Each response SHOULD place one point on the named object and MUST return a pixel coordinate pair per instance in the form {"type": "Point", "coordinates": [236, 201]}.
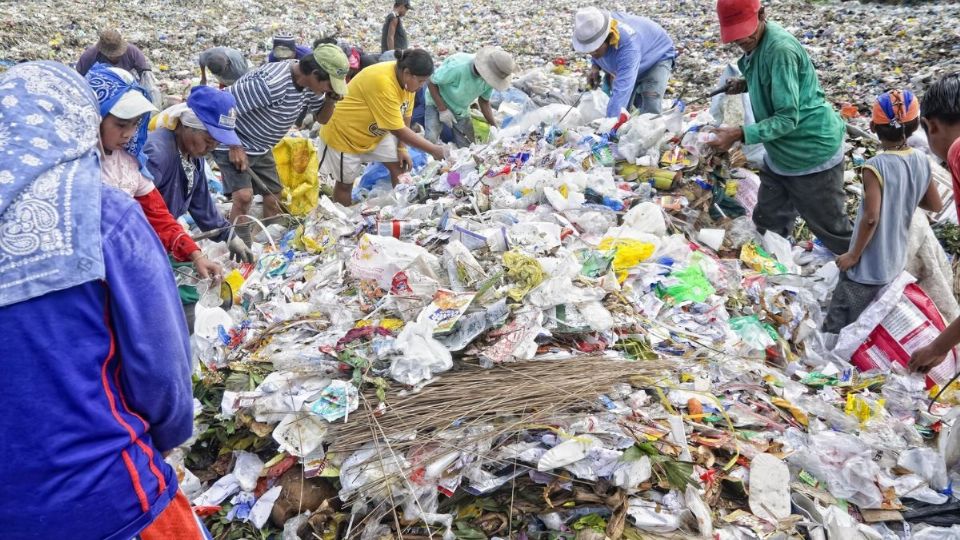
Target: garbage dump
{"type": "Point", "coordinates": [540, 336]}
{"type": "Point", "coordinates": [570, 330]}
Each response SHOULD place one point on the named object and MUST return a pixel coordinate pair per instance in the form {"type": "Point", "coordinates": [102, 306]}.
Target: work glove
{"type": "Point", "coordinates": [447, 118]}
{"type": "Point", "coordinates": [239, 251]}
{"type": "Point", "coordinates": [736, 86]}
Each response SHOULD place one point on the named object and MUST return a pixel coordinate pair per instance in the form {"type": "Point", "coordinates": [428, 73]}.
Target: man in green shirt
{"type": "Point", "coordinates": [457, 83]}
{"type": "Point", "coordinates": [800, 131]}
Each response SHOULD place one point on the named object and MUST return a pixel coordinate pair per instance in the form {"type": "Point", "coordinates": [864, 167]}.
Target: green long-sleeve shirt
{"type": "Point", "coordinates": [796, 125]}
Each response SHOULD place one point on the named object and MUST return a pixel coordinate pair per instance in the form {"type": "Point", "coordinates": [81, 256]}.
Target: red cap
{"type": "Point", "coordinates": [738, 18]}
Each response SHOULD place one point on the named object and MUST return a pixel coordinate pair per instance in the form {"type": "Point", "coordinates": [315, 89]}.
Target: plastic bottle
{"type": "Point", "coordinates": [398, 228]}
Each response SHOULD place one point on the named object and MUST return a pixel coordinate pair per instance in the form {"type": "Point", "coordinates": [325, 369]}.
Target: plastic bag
{"type": "Point", "coordinates": [748, 189]}
{"type": "Point", "coordinates": [780, 248]}
{"type": "Point", "coordinates": [297, 166]}
{"type": "Point", "coordinates": [741, 231]}
{"type": "Point", "coordinates": [381, 257]}
{"type": "Point", "coordinates": [752, 332]}
{"type": "Point", "coordinates": [898, 322]}
{"type": "Point", "coordinates": [842, 462]}
{"type": "Point", "coordinates": [593, 105]}
{"type": "Point", "coordinates": [247, 469]}
{"type": "Point", "coordinates": [420, 356]}
{"type": "Point", "coordinates": [628, 254]}
{"type": "Point", "coordinates": [639, 134]}
{"type": "Point", "coordinates": [646, 217]}
{"type": "Point", "coordinates": [927, 464]}
{"type": "Point", "coordinates": [336, 401]}
{"type": "Point", "coordinates": [736, 110]}
{"type": "Point", "coordinates": [759, 260]}
{"type": "Point", "coordinates": [689, 284]}
{"type": "Point", "coordinates": [149, 83]}
{"type": "Point", "coordinates": [549, 115]}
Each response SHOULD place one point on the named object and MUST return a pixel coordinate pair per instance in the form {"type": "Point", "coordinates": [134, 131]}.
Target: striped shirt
{"type": "Point", "coordinates": [268, 105]}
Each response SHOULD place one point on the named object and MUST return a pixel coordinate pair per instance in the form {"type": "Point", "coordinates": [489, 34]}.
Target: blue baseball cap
{"type": "Point", "coordinates": [217, 111]}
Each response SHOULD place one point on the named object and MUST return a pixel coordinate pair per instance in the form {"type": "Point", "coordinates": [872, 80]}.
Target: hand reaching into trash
{"type": "Point", "coordinates": [593, 78]}
{"type": "Point", "coordinates": [926, 358]}
{"type": "Point", "coordinates": [406, 164]}
{"type": "Point", "coordinates": [847, 261]}
{"type": "Point", "coordinates": [239, 251]}
{"type": "Point", "coordinates": [725, 137]}
{"type": "Point", "coordinates": [439, 152]}
{"type": "Point", "coordinates": [238, 157]}
{"type": "Point", "coordinates": [735, 86]}
{"type": "Point", "coordinates": [447, 118]}
{"type": "Point", "coordinates": [206, 268]}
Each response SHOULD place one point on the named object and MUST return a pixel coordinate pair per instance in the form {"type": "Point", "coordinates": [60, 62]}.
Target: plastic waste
{"type": "Point", "coordinates": [646, 217]}
{"type": "Point", "coordinates": [418, 356]}
{"type": "Point", "coordinates": [638, 135]}
{"type": "Point", "coordinates": [689, 284]}
{"type": "Point", "coordinates": [247, 469]}
{"type": "Point", "coordinates": [593, 106]}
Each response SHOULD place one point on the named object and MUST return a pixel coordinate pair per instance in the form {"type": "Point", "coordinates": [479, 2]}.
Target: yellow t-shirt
{"type": "Point", "coordinates": [375, 104]}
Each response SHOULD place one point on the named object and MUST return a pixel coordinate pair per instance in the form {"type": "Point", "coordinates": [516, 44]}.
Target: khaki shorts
{"type": "Point", "coordinates": [343, 168]}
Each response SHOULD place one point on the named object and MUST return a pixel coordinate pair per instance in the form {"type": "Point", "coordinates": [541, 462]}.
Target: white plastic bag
{"type": "Point", "coordinates": [247, 469]}
{"type": "Point", "coordinates": [736, 110]}
{"type": "Point", "coordinates": [640, 134]}
{"type": "Point", "coordinates": [420, 357]}
{"type": "Point", "coordinates": [381, 257]}
{"type": "Point", "coordinates": [646, 217]}
{"type": "Point", "coordinates": [593, 106]}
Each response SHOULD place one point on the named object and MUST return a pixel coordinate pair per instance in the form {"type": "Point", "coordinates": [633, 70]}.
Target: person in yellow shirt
{"type": "Point", "coordinates": [372, 123]}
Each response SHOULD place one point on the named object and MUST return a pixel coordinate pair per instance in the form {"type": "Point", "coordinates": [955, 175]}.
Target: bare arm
{"type": "Point", "coordinates": [203, 75]}
{"type": "Point", "coordinates": [392, 33]}
{"type": "Point", "coordinates": [408, 137]}
{"type": "Point", "coordinates": [931, 201]}
{"type": "Point", "coordinates": [435, 94]}
{"type": "Point", "coordinates": [872, 198]}
{"type": "Point", "coordinates": [930, 356]}
{"type": "Point", "coordinates": [487, 112]}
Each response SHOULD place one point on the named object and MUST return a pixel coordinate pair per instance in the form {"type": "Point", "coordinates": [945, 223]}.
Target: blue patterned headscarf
{"type": "Point", "coordinates": [49, 182]}
{"type": "Point", "coordinates": [109, 88]}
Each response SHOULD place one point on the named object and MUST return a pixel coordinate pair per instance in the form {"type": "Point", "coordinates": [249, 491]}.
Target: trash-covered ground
{"type": "Point", "coordinates": [570, 331]}
{"type": "Point", "coordinates": [860, 49]}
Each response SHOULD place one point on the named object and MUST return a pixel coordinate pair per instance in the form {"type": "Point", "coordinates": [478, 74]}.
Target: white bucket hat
{"type": "Point", "coordinates": [590, 29]}
{"type": "Point", "coordinates": [495, 66]}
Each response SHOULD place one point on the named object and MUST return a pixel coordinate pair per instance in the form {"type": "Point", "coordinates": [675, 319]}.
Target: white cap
{"type": "Point", "coordinates": [131, 104]}
{"type": "Point", "coordinates": [590, 29]}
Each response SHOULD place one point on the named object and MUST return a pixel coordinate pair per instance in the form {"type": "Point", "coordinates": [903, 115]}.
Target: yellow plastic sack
{"type": "Point", "coordinates": [759, 260]}
{"type": "Point", "coordinates": [629, 253]}
{"type": "Point", "coordinates": [297, 165]}
{"type": "Point", "coordinates": [524, 271]}
{"type": "Point", "coordinates": [861, 409]}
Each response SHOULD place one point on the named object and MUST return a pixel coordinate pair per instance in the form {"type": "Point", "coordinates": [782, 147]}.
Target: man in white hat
{"type": "Point", "coordinates": [634, 51]}
{"type": "Point", "coordinates": [461, 80]}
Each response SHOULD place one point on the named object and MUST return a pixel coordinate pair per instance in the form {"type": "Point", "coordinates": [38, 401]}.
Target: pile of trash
{"type": "Point", "coordinates": [859, 49]}
{"type": "Point", "coordinates": [572, 330]}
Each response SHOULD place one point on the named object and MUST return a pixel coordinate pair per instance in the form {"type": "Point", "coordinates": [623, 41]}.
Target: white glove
{"type": "Point", "coordinates": [447, 118]}
{"type": "Point", "coordinates": [239, 251]}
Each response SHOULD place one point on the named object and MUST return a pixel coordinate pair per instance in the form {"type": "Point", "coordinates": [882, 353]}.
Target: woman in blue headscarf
{"type": "Point", "coordinates": [125, 109]}
{"type": "Point", "coordinates": [96, 401]}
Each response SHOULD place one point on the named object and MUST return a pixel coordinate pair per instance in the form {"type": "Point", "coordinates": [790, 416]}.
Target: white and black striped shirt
{"type": "Point", "coordinates": [268, 105]}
